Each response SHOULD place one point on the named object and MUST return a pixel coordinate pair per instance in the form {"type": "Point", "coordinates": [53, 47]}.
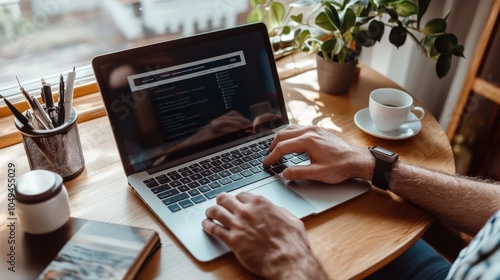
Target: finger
{"type": "Point", "coordinates": [283, 148]}
{"type": "Point", "coordinates": [215, 230]}
{"type": "Point", "coordinates": [288, 133]}
{"type": "Point", "coordinates": [245, 197]}
{"type": "Point", "coordinates": [228, 201]}
{"type": "Point", "coordinates": [220, 214]}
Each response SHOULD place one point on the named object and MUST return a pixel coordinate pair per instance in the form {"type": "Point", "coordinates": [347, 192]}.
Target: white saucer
{"type": "Point", "coordinates": [363, 120]}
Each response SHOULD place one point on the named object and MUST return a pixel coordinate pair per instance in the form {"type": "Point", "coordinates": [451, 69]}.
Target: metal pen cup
{"type": "Point", "coordinates": [58, 150]}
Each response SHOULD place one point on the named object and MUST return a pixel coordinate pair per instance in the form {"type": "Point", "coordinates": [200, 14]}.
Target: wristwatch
{"type": "Point", "coordinates": [384, 160]}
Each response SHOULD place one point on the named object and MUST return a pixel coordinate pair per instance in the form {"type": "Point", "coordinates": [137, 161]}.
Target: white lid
{"type": "Point", "coordinates": [37, 186]}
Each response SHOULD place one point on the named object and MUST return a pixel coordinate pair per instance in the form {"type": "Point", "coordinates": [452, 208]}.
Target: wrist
{"type": "Point", "coordinates": [384, 162]}
{"type": "Point", "coordinates": [364, 165]}
{"type": "Point", "coordinates": [396, 169]}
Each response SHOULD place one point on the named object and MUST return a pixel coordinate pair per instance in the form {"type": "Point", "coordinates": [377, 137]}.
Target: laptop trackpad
{"type": "Point", "coordinates": [278, 193]}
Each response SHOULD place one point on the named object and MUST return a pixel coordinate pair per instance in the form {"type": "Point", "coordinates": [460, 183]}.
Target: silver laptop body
{"type": "Point", "coordinates": [193, 117]}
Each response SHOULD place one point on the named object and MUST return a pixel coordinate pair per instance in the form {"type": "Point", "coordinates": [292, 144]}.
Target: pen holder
{"type": "Point", "coordinates": [58, 150]}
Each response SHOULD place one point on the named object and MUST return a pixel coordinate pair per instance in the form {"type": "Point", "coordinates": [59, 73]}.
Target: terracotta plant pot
{"type": "Point", "coordinates": [333, 77]}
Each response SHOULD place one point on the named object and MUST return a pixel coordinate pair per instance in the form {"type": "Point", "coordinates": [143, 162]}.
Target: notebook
{"type": "Point", "coordinates": [80, 249]}
{"type": "Point", "coordinates": [99, 250]}
{"type": "Point", "coordinates": [194, 117]}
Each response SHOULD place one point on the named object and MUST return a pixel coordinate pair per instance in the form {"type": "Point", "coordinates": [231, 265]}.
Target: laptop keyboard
{"type": "Point", "coordinates": [204, 180]}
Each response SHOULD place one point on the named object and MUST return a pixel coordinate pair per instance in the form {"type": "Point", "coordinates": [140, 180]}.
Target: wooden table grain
{"type": "Point", "coordinates": [351, 240]}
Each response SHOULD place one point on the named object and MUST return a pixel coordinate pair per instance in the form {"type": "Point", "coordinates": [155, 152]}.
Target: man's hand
{"type": "Point", "coordinates": [267, 239]}
{"type": "Point", "coordinates": [332, 159]}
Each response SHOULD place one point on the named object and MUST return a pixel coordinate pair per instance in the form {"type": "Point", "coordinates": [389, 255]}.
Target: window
{"type": "Point", "coordinates": [47, 38]}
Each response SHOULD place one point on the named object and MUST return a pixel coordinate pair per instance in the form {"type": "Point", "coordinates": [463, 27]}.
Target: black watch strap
{"type": "Point", "coordinates": [384, 160]}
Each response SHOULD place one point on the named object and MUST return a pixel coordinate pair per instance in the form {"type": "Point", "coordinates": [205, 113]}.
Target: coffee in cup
{"type": "Point", "coordinates": [390, 108]}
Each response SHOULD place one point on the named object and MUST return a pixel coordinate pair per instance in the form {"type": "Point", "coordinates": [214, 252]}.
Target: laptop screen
{"type": "Point", "coordinates": [173, 99]}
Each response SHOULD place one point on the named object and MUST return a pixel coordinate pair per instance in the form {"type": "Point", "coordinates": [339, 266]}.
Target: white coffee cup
{"type": "Point", "coordinates": [42, 202]}
{"type": "Point", "coordinates": [390, 108]}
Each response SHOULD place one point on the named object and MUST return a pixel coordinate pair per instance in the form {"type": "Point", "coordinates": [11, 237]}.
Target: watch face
{"type": "Point", "coordinates": [383, 151]}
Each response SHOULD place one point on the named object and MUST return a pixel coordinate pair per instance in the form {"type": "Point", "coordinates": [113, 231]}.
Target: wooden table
{"type": "Point", "coordinates": [351, 240]}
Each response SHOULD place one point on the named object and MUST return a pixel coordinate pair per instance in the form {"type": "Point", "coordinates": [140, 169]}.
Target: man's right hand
{"type": "Point", "coordinates": [267, 239]}
{"type": "Point", "coordinates": [332, 159]}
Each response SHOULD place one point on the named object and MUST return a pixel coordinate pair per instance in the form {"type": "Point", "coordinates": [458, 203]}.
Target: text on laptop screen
{"type": "Point", "coordinates": [181, 98]}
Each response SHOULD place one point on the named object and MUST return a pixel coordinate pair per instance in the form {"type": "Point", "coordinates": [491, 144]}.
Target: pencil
{"type": "Point", "coordinates": [19, 116]}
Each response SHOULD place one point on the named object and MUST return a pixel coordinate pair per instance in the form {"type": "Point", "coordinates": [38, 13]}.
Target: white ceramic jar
{"type": "Point", "coordinates": [42, 202]}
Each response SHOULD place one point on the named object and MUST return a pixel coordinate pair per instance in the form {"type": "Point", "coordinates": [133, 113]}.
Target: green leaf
{"type": "Point", "coordinates": [323, 22]}
{"type": "Point", "coordinates": [276, 13]}
{"type": "Point", "coordinates": [300, 37]}
{"type": "Point", "coordinates": [435, 26]}
{"type": "Point", "coordinates": [340, 57]}
{"type": "Point", "coordinates": [332, 15]}
{"type": "Point", "coordinates": [296, 34]}
{"type": "Point", "coordinates": [445, 43]}
{"type": "Point", "coordinates": [364, 39]}
{"type": "Point", "coordinates": [443, 65]}
{"type": "Point", "coordinates": [297, 18]}
{"type": "Point", "coordinates": [336, 3]}
{"type": "Point", "coordinates": [397, 37]}
{"type": "Point", "coordinates": [430, 50]}
{"type": "Point", "coordinates": [254, 3]}
{"type": "Point", "coordinates": [332, 47]}
{"type": "Point", "coordinates": [255, 15]}
{"type": "Point", "coordinates": [304, 35]}
{"type": "Point", "coordinates": [286, 30]}
{"type": "Point", "coordinates": [362, 3]}
{"type": "Point", "coordinates": [376, 30]}
{"type": "Point", "coordinates": [348, 18]}
{"type": "Point", "coordinates": [328, 45]}
{"type": "Point", "coordinates": [422, 8]}
{"type": "Point", "coordinates": [339, 47]}
{"type": "Point", "coordinates": [344, 55]}
{"type": "Point", "coordinates": [458, 51]}
{"type": "Point", "coordinates": [296, 38]}
{"type": "Point", "coordinates": [392, 14]}
{"type": "Point", "coordinates": [406, 8]}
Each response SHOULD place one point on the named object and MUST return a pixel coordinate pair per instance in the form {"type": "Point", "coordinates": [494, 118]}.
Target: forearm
{"type": "Point", "coordinates": [307, 267]}
{"type": "Point", "coordinates": [462, 203]}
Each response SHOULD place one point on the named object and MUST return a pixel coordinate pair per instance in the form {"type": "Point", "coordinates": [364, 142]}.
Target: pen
{"type": "Point", "coordinates": [40, 114]}
{"type": "Point", "coordinates": [32, 119]}
{"type": "Point", "coordinates": [19, 116]}
{"type": "Point", "coordinates": [49, 101]}
{"type": "Point", "coordinates": [25, 94]}
{"type": "Point", "coordinates": [60, 104]}
{"type": "Point", "coordinates": [37, 109]}
{"type": "Point", "coordinates": [68, 94]}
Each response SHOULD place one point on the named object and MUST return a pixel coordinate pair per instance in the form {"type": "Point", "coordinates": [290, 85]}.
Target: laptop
{"type": "Point", "coordinates": [194, 117]}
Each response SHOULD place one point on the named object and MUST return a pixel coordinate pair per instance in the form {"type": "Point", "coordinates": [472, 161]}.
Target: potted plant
{"type": "Point", "coordinates": [339, 29]}
{"type": "Point", "coordinates": [273, 14]}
